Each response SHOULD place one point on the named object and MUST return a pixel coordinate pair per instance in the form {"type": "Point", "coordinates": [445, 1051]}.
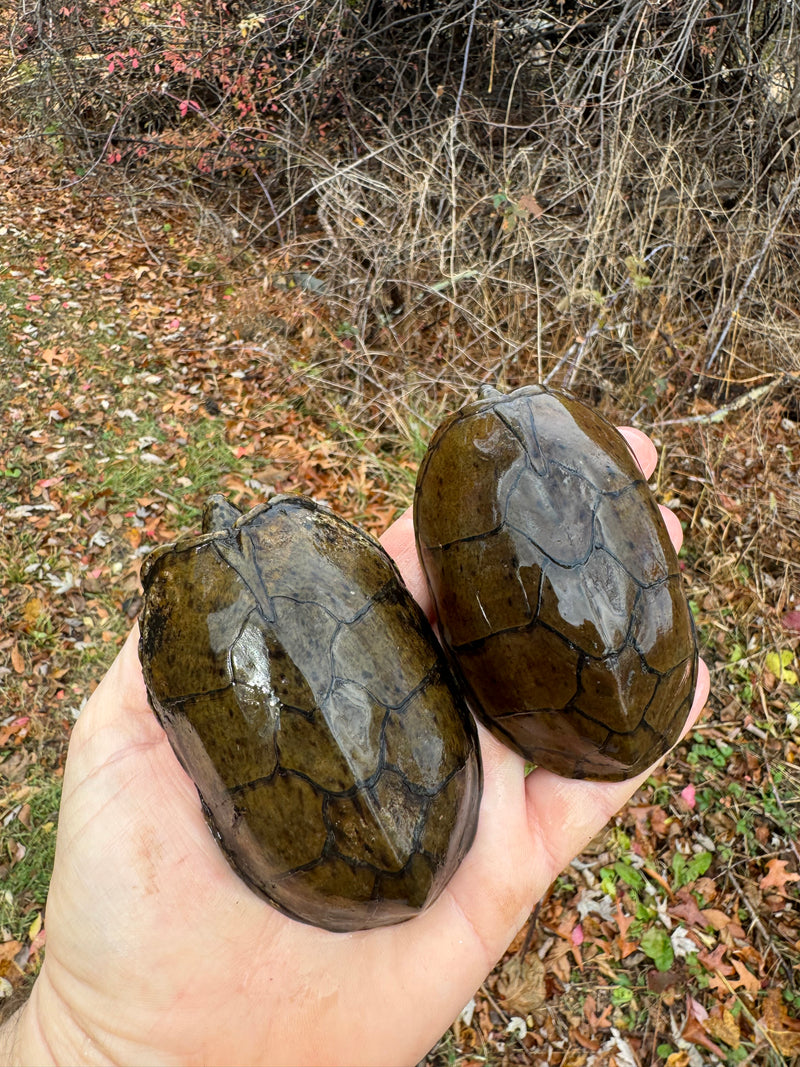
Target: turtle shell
{"type": "Point", "coordinates": [304, 692]}
{"type": "Point", "coordinates": [557, 588]}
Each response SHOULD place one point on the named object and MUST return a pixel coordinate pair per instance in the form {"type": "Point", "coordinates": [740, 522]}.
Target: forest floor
{"type": "Point", "coordinates": [140, 370]}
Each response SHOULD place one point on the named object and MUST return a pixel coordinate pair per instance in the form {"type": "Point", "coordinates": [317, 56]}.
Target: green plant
{"type": "Point", "coordinates": [656, 944]}
{"type": "Point", "coordinates": [27, 849]}
{"type": "Point", "coordinates": [687, 870]}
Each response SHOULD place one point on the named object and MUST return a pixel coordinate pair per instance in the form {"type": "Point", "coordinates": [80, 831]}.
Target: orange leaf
{"type": "Point", "coordinates": [722, 1025]}
{"type": "Point", "coordinates": [778, 875]}
{"type": "Point", "coordinates": [781, 1030]}
{"type": "Point", "coordinates": [597, 1022]}
{"type": "Point", "coordinates": [746, 978]}
{"type": "Point", "coordinates": [715, 918]}
{"type": "Point", "coordinates": [678, 1059]}
{"type": "Point", "coordinates": [32, 611]}
{"type": "Point", "coordinates": [626, 947]}
{"type": "Point", "coordinates": [17, 660]}
{"type": "Point", "coordinates": [9, 949]}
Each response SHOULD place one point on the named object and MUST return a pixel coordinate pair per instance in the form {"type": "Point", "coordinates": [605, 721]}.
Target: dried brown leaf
{"type": "Point", "coordinates": [781, 1030]}
{"type": "Point", "coordinates": [17, 660]}
{"type": "Point", "coordinates": [722, 1025]}
{"type": "Point", "coordinates": [520, 984]}
{"type": "Point", "coordinates": [695, 1032]}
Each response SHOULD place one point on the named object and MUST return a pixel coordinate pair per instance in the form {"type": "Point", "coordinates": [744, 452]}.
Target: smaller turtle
{"type": "Point", "coordinates": [557, 588]}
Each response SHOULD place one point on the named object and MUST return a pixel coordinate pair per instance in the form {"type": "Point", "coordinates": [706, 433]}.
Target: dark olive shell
{"type": "Point", "coordinates": [304, 692]}
{"type": "Point", "coordinates": [556, 585]}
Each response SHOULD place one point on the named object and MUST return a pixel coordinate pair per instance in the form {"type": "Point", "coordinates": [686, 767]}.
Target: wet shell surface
{"type": "Point", "coordinates": [557, 588]}
{"type": "Point", "coordinates": [302, 689]}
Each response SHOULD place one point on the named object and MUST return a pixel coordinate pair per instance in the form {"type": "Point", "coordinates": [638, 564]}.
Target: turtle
{"type": "Point", "coordinates": [304, 692]}
{"type": "Point", "coordinates": [557, 589]}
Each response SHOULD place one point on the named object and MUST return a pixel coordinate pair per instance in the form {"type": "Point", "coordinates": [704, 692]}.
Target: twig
{"type": "Point", "coordinates": [526, 944]}
{"type": "Point", "coordinates": [782, 208]}
{"type": "Point", "coordinates": [504, 1016]}
{"type": "Point", "coordinates": [760, 926]}
{"type": "Point", "coordinates": [735, 405]}
{"type": "Point", "coordinates": [779, 802]}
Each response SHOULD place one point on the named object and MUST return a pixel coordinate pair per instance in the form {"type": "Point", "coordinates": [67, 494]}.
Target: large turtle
{"type": "Point", "coordinates": [304, 692]}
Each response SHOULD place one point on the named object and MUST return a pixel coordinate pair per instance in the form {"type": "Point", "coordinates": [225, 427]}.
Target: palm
{"type": "Point", "coordinates": [160, 953]}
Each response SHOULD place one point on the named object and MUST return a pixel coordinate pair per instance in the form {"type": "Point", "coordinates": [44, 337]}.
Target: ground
{"type": "Point", "coordinates": [143, 367]}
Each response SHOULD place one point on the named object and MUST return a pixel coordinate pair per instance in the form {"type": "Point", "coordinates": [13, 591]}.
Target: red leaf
{"type": "Point", "coordinates": [693, 1031]}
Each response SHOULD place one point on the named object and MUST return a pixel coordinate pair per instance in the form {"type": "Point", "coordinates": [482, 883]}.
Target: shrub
{"type": "Point", "coordinates": [528, 183]}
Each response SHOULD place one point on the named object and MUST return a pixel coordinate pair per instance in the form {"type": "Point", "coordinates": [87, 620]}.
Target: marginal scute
{"type": "Point", "coordinates": [591, 673]}
{"type": "Point", "coordinates": [616, 690]}
{"type": "Point", "coordinates": [304, 691]}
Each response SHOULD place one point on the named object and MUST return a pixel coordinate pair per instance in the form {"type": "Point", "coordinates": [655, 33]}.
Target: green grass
{"type": "Point", "coordinates": [26, 880]}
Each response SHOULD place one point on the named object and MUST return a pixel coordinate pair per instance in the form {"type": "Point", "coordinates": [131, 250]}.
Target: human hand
{"type": "Point", "coordinates": [158, 953]}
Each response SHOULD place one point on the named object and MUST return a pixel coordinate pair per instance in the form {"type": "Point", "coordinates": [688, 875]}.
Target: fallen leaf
{"type": "Point", "coordinates": [592, 1044]}
{"type": "Point", "coordinates": [597, 1022]}
{"type": "Point", "coordinates": [782, 1031]}
{"type": "Point", "coordinates": [660, 981]}
{"type": "Point", "coordinates": [521, 984]}
{"type": "Point", "coordinates": [529, 203]}
{"type": "Point", "coordinates": [678, 1059]}
{"type": "Point", "coordinates": [778, 876]}
{"type": "Point", "coordinates": [695, 1032]}
{"type": "Point", "coordinates": [557, 962]}
{"type": "Point", "coordinates": [688, 909]}
{"type": "Point", "coordinates": [715, 918]}
{"type": "Point", "coordinates": [32, 611]}
{"type": "Point", "coordinates": [17, 660]}
{"type": "Point", "coordinates": [722, 1025]}
{"type": "Point", "coordinates": [712, 961]}
{"type": "Point", "coordinates": [17, 726]}
{"type": "Point", "coordinates": [791, 620]}
{"type": "Point", "coordinates": [777, 663]}
{"type": "Point", "coordinates": [626, 947]}
{"type": "Point", "coordinates": [746, 980]}
{"type": "Point", "coordinates": [9, 949]}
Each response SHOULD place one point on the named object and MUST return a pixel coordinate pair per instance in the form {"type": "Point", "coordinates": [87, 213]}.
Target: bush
{"type": "Point", "coordinates": [524, 184]}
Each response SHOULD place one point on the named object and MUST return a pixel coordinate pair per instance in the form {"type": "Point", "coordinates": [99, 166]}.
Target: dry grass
{"type": "Point", "coordinates": [608, 202]}
{"type": "Point", "coordinates": [589, 194]}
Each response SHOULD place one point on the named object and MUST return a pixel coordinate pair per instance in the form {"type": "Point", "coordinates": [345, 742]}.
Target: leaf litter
{"type": "Point", "coordinates": [134, 386]}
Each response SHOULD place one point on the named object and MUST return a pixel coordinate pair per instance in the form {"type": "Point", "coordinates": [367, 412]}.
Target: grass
{"type": "Point", "coordinates": [27, 849]}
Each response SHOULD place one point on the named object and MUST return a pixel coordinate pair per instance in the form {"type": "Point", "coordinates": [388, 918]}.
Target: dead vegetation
{"type": "Point", "coordinates": [576, 192]}
{"type": "Point", "coordinates": [420, 198]}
